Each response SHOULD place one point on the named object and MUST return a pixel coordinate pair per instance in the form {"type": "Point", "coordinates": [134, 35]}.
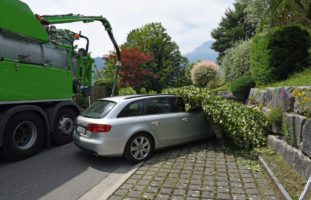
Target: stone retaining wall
{"type": "Point", "coordinates": [293, 156]}
{"type": "Point", "coordinates": [295, 103]}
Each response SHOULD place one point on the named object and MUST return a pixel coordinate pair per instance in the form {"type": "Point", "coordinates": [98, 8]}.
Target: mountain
{"type": "Point", "coordinates": [203, 52]}
{"type": "Point", "coordinates": [99, 62]}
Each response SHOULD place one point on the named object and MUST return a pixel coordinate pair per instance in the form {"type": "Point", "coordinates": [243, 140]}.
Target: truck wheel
{"type": "Point", "coordinates": [24, 136]}
{"type": "Point", "coordinates": [63, 126]}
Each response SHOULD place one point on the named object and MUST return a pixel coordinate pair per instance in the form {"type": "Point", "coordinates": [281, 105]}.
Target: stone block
{"type": "Point", "coordinates": [306, 138]}
{"type": "Point", "coordinates": [280, 147]}
{"type": "Point", "coordinates": [299, 123]}
{"type": "Point", "coordinates": [302, 165]}
{"type": "Point", "coordinates": [272, 141]}
{"type": "Point", "coordinates": [253, 98]}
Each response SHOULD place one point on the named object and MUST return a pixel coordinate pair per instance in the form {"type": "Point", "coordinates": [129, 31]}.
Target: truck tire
{"type": "Point", "coordinates": [63, 126]}
{"type": "Point", "coordinates": [23, 136]}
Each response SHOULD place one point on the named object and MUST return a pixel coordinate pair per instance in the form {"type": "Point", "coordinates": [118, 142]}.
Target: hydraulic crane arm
{"type": "Point", "coordinates": [70, 18]}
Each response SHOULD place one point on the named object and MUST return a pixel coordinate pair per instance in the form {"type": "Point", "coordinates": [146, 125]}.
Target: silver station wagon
{"type": "Point", "coordinates": [136, 125]}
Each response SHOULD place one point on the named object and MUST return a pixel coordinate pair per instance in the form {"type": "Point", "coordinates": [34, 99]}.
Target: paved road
{"type": "Point", "coordinates": [62, 172]}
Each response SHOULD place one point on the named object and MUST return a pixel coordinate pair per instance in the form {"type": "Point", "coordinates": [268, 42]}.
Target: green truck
{"type": "Point", "coordinates": [41, 69]}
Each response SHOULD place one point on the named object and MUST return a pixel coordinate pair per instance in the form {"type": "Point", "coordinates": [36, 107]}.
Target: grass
{"type": "Point", "coordinates": [289, 178]}
{"type": "Point", "coordinates": [224, 87]}
{"type": "Point", "coordinates": [302, 78]}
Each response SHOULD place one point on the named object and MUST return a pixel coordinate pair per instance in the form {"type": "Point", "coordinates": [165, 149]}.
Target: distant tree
{"type": "Point", "coordinates": [167, 61]}
{"type": "Point", "coordinates": [272, 13]}
{"type": "Point", "coordinates": [285, 12]}
{"type": "Point", "coordinates": [132, 73]}
{"type": "Point", "coordinates": [233, 28]}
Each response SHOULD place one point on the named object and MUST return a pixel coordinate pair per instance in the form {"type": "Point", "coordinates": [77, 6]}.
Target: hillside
{"type": "Point", "coordinates": [203, 52]}
{"type": "Point", "coordinates": [99, 62]}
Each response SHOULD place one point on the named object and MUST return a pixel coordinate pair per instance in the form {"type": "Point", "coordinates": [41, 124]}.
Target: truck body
{"type": "Point", "coordinates": [41, 69]}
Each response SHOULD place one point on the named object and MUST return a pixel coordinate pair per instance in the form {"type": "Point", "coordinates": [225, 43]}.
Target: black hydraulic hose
{"type": "Point", "coordinates": [118, 64]}
{"type": "Point", "coordinates": [87, 42]}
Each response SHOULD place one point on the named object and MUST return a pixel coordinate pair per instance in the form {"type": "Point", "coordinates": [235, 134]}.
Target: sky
{"type": "Point", "coordinates": [188, 22]}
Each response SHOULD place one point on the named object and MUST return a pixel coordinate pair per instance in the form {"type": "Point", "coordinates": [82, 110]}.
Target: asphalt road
{"type": "Point", "coordinates": [63, 172]}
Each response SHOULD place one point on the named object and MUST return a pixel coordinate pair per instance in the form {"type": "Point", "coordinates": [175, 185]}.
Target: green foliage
{"type": "Point", "coordinates": [167, 61]}
{"type": "Point", "coordinates": [242, 86]}
{"type": "Point", "coordinates": [302, 78]}
{"type": "Point", "coordinates": [260, 70]}
{"type": "Point", "coordinates": [81, 100]}
{"type": "Point", "coordinates": [107, 83]}
{"type": "Point", "coordinates": [244, 126]}
{"type": "Point", "coordinates": [202, 73]}
{"type": "Point", "coordinates": [236, 61]}
{"type": "Point", "coordinates": [269, 13]}
{"type": "Point", "coordinates": [126, 91]}
{"type": "Point", "coordinates": [232, 28]}
{"type": "Point", "coordinates": [144, 91]}
{"type": "Point", "coordinates": [223, 87]}
{"type": "Point", "coordinates": [286, 12]}
{"type": "Point", "coordinates": [275, 117]}
{"type": "Point", "coordinates": [278, 53]}
{"type": "Point", "coordinates": [288, 134]}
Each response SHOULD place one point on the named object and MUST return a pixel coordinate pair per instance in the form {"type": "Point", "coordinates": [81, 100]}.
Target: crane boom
{"type": "Point", "coordinates": [71, 18]}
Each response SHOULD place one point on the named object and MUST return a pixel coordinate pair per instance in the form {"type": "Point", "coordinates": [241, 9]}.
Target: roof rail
{"type": "Point", "coordinates": [148, 95]}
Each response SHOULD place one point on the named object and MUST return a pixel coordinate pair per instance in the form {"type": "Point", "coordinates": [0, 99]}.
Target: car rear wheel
{"type": "Point", "coordinates": [139, 148]}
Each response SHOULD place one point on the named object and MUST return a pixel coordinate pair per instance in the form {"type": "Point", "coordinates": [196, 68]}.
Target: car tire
{"type": "Point", "coordinates": [63, 126]}
{"type": "Point", "coordinates": [23, 136]}
{"type": "Point", "coordinates": [139, 148]}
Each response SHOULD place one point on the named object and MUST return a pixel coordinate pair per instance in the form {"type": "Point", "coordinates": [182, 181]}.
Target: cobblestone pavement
{"type": "Point", "coordinates": [195, 171]}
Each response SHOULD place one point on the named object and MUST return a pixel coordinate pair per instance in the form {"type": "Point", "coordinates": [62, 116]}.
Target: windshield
{"type": "Point", "coordinates": [99, 109]}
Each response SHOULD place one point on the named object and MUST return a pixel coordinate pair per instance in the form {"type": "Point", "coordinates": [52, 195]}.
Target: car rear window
{"type": "Point", "coordinates": [99, 109]}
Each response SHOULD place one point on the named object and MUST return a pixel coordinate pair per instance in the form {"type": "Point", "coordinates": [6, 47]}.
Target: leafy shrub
{"type": "Point", "coordinates": [107, 83]}
{"type": "Point", "coordinates": [81, 100]}
{"type": "Point", "coordinates": [152, 92]}
{"type": "Point", "coordinates": [276, 117]}
{"type": "Point", "coordinates": [236, 61]}
{"type": "Point", "coordinates": [278, 53]}
{"type": "Point", "coordinates": [242, 86]}
{"type": "Point", "coordinates": [288, 134]}
{"type": "Point", "coordinates": [246, 127]}
{"type": "Point", "coordinates": [203, 72]}
{"type": "Point", "coordinates": [144, 91]}
{"type": "Point", "coordinates": [126, 91]}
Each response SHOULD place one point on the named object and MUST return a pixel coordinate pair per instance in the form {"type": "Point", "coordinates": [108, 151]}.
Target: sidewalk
{"type": "Point", "coordinates": [195, 171]}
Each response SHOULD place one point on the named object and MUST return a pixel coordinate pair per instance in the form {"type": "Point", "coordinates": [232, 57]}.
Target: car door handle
{"type": "Point", "coordinates": [155, 123]}
{"type": "Point", "coordinates": [185, 119]}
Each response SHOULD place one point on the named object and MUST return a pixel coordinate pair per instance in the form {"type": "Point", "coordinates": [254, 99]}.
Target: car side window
{"type": "Point", "coordinates": [177, 104]}
{"type": "Point", "coordinates": [157, 106]}
{"type": "Point", "coordinates": [132, 109]}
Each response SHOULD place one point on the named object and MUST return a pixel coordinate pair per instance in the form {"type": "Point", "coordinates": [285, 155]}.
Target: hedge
{"type": "Point", "coordinates": [246, 127]}
{"type": "Point", "coordinates": [278, 53]}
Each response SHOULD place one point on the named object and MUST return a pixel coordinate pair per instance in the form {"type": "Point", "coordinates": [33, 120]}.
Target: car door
{"type": "Point", "coordinates": [164, 123]}
{"type": "Point", "coordinates": [193, 123]}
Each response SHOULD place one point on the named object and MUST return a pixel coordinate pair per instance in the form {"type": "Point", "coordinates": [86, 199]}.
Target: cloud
{"type": "Point", "coordinates": [188, 22]}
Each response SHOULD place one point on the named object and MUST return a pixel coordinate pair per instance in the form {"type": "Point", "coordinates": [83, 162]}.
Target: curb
{"type": "Point", "coordinates": [104, 189]}
{"type": "Point", "coordinates": [275, 180]}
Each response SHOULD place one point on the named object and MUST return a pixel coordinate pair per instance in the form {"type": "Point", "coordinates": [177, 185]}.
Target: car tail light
{"type": "Point", "coordinates": [96, 128]}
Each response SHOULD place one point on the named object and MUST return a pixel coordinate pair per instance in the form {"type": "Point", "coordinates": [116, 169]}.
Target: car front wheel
{"type": "Point", "coordinates": [139, 148]}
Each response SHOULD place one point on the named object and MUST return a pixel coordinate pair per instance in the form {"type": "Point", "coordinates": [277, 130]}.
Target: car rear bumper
{"type": "Point", "coordinates": [101, 147]}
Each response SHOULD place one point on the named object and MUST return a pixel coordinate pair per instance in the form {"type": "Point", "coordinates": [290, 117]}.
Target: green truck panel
{"type": "Point", "coordinates": [20, 82]}
{"type": "Point", "coordinates": [16, 16]}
